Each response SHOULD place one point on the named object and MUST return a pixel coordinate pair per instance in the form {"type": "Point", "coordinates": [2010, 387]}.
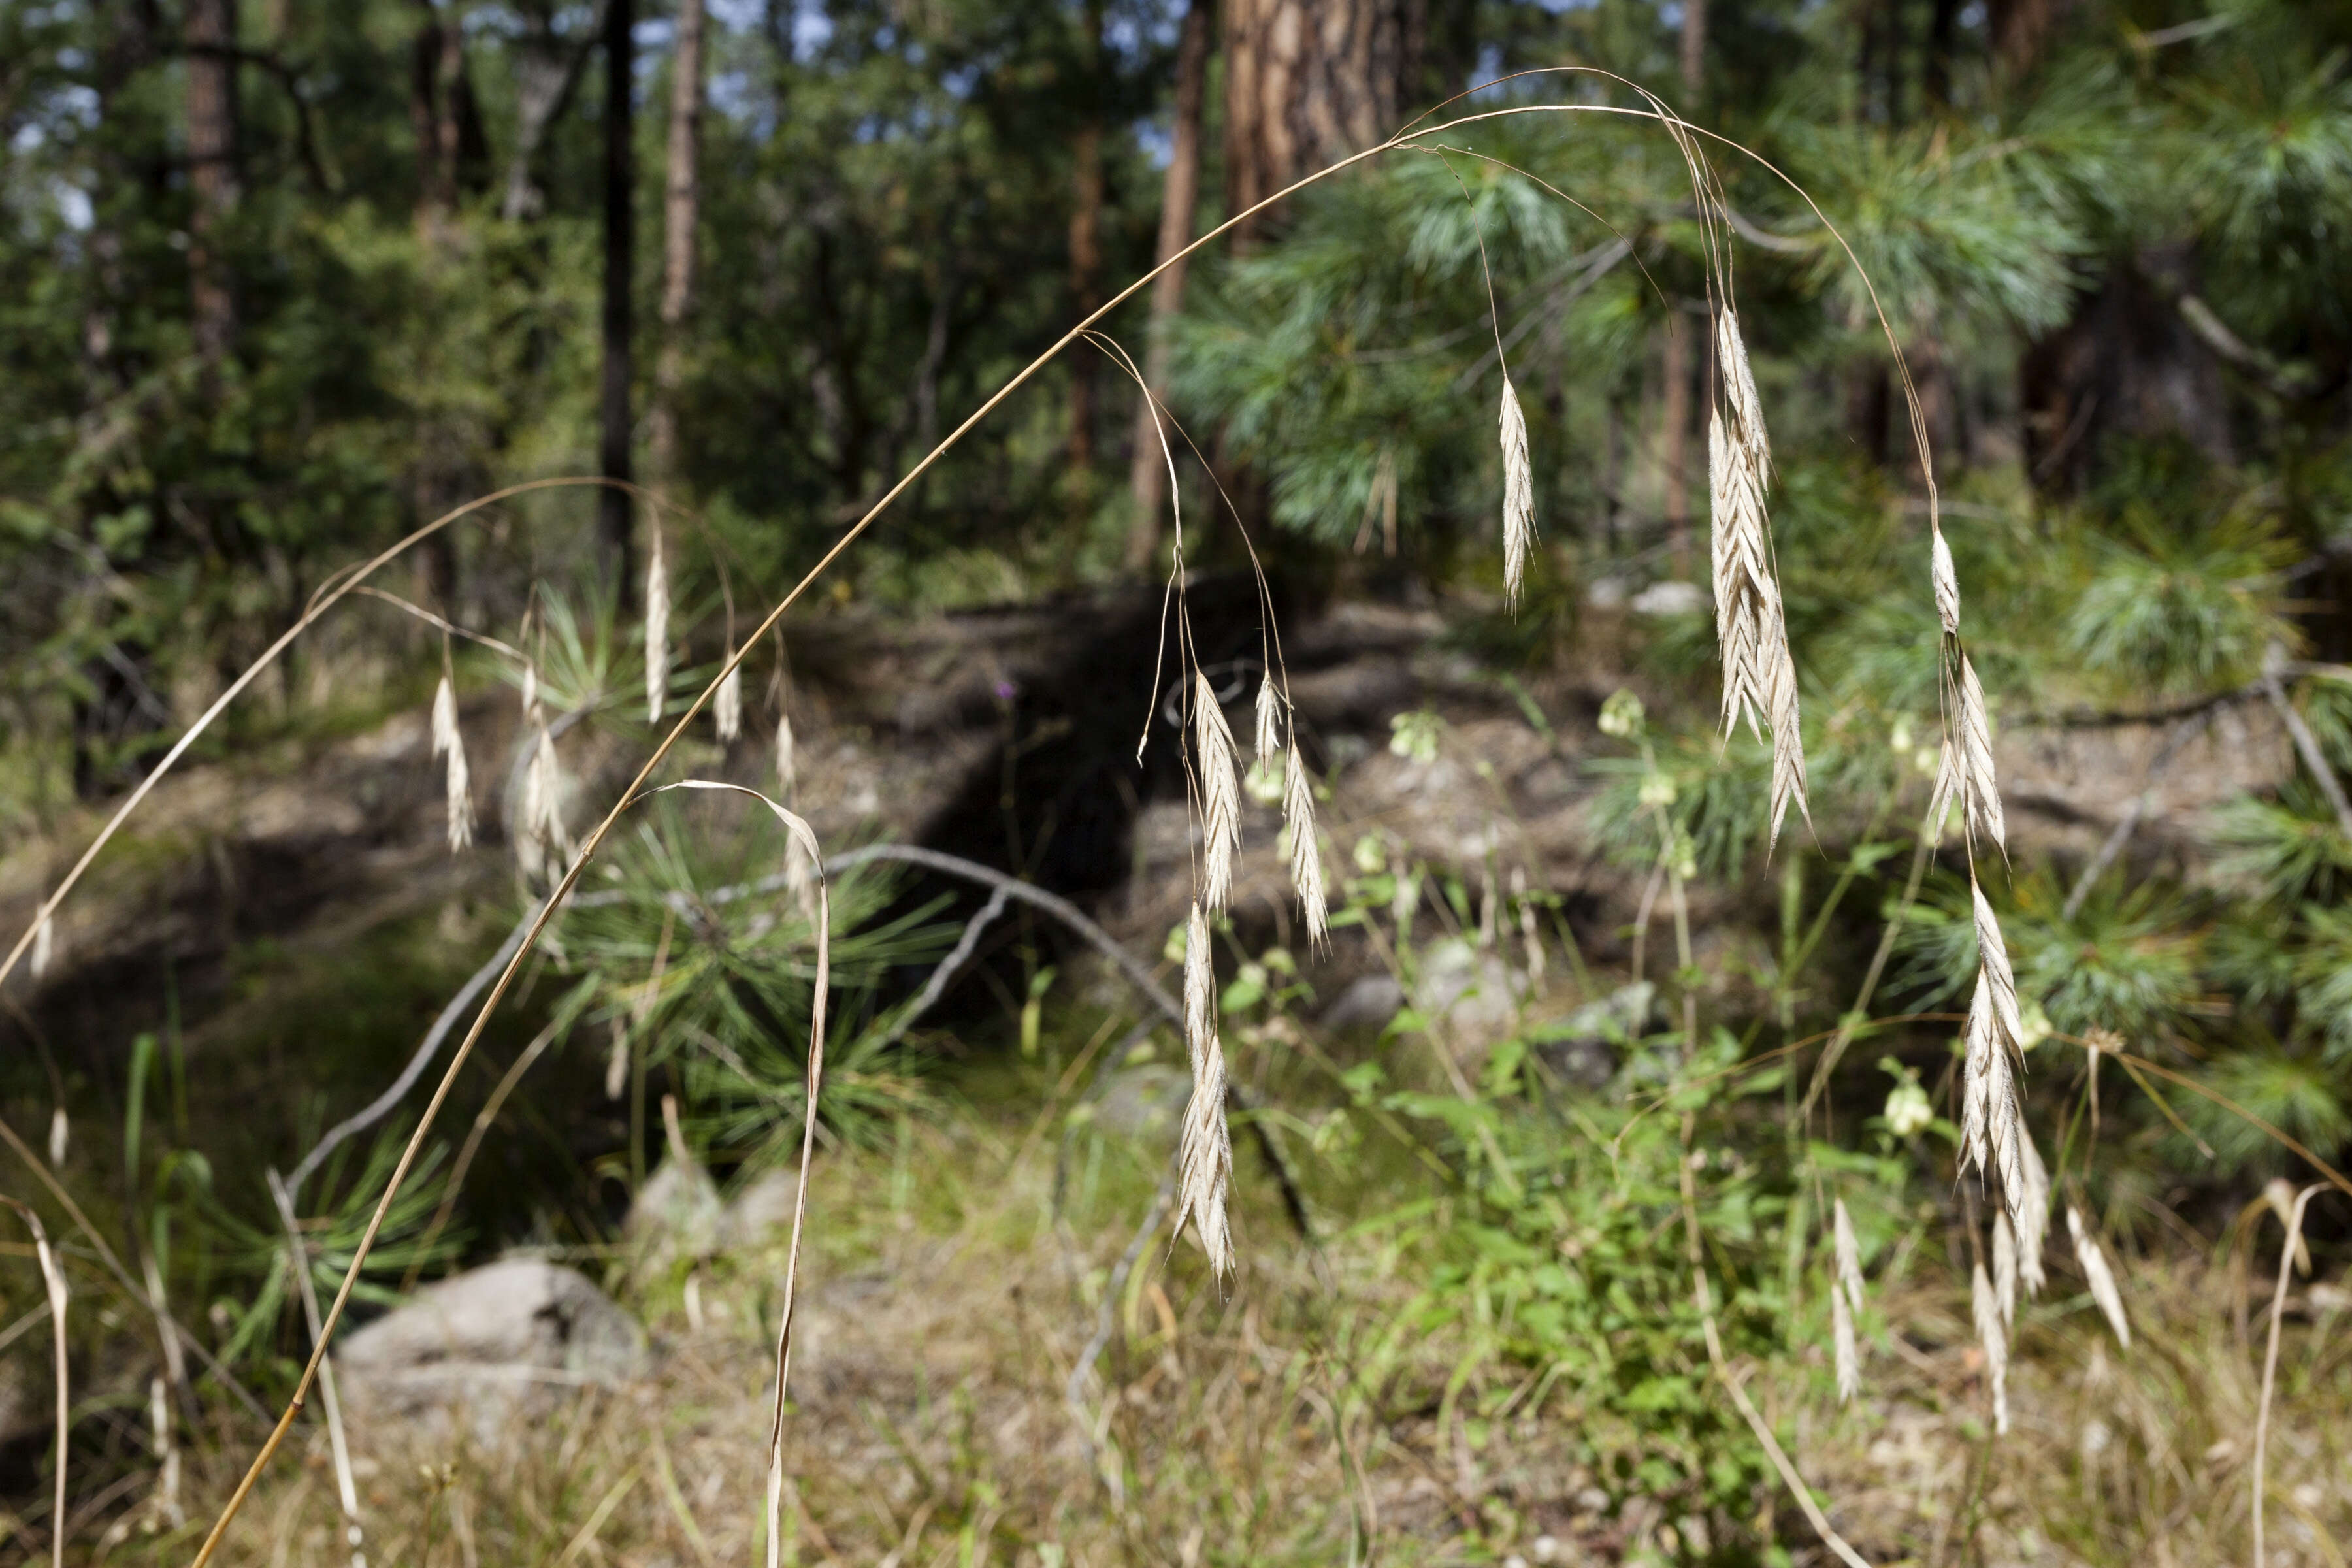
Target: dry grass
{"type": "Point", "coordinates": [945, 1312]}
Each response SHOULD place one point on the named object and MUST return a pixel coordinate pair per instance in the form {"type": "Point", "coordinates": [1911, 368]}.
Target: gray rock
{"type": "Point", "coordinates": [1584, 1049]}
{"type": "Point", "coordinates": [1670, 598]}
{"type": "Point", "coordinates": [1368, 1002]}
{"type": "Point", "coordinates": [513, 1336]}
{"type": "Point", "coordinates": [1146, 1100]}
{"type": "Point", "coordinates": [676, 1214]}
{"type": "Point", "coordinates": [763, 1209]}
{"type": "Point", "coordinates": [1470, 992]}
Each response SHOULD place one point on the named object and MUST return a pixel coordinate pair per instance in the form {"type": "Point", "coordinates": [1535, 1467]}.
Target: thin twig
{"type": "Point", "coordinates": [2307, 745]}
{"type": "Point", "coordinates": [2122, 832]}
{"type": "Point", "coordinates": [2270, 1359]}
{"type": "Point", "coordinates": [298, 1258]}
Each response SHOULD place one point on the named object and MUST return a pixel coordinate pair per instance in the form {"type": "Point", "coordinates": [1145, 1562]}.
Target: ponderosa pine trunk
{"type": "Point", "coordinates": [1085, 241]}
{"type": "Point", "coordinates": [1148, 471]}
{"type": "Point", "coordinates": [613, 512]}
{"type": "Point", "coordinates": [1308, 82]}
{"type": "Point", "coordinates": [1681, 362]}
{"type": "Point", "coordinates": [681, 211]}
{"type": "Point", "coordinates": [214, 176]}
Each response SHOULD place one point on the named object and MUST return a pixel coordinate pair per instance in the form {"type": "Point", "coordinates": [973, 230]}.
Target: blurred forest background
{"type": "Point", "coordinates": [283, 280]}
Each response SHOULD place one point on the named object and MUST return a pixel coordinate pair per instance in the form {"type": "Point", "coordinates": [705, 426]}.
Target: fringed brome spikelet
{"type": "Point", "coordinates": [656, 628]}
{"type": "Point", "coordinates": [1849, 1253]}
{"type": "Point", "coordinates": [1205, 1155]}
{"type": "Point", "coordinates": [60, 1133]}
{"type": "Point", "coordinates": [1518, 497]}
{"type": "Point", "coordinates": [1528, 939]}
{"type": "Point", "coordinates": [788, 770]}
{"type": "Point", "coordinates": [1739, 388]}
{"type": "Point", "coordinates": [1221, 793]}
{"type": "Point", "coordinates": [544, 835]}
{"type": "Point", "coordinates": [1976, 786]}
{"type": "Point", "coordinates": [1947, 583]}
{"type": "Point", "coordinates": [1759, 679]}
{"type": "Point", "coordinates": [458, 782]}
{"type": "Point", "coordinates": [1991, 1125]}
{"type": "Point", "coordinates": [2005, 1267]}
{"type": "Point", "coordinates": [2101, 1277]}
{"type": "Point", "coordinates": [1986, 1312]}
{"type": "Point", "coordinates": [727, 707]}
{"type": "Point", "coordinates": [1841, 1342]}
{"type": "Point", "coordinates": [44, 944]}
{"type": "Point", "coordinates": [1269, 718]}
{"type": "Point", "coordinates": [1305, 854]}
{"type": "Point", "coordinates": [2032, 1217]}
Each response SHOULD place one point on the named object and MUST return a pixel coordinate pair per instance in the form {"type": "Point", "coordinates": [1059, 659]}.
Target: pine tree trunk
{"type": "Point", "coordinates": [614, 511]}
{"type": "Point", "coordinates": [1308, 82]}
{"type": "Point", "coordinates": [1681, 362]}
{"type": "Point", "coordinates": [1086, 245]}
{"type": "Point", "coordinates": [1148, 472]}
{"type": "Point", "coordinates": [209, 30]}
{"type": "Point", "coordinates": [681, 210]}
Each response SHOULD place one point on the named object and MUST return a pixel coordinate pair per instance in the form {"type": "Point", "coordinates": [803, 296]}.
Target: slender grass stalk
{"type": "Point", "coordinates": [2269, 1360]}
{"type": "Point", "coordinates": [53, 1278]}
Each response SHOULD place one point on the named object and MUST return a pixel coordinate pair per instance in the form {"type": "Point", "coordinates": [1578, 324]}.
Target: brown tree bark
{"type": "Point", "coordinates": [1673, 457]}
{"type": "Point", "coordinates": [1085, 243]}
{"type": "Point", "coordinates": [613, 512]}
{"type": "Point", "coordinates": [1147, 471]}
{"type": "Point", "coordinates": [209, 32]}
{"type": "Point", "coordinates": [681, 211]}
{"type": "Point", "coordinates": [1309, 81]}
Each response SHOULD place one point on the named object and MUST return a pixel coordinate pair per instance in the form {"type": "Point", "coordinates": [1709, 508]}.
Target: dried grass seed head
{"type": "Point", "coordinates": [1518, 497]}
{"type": "Point", "coordinates": [1739, 388]}
{"type": "Point", "coordinates": [727, 705]}
{"type": "Point", "coordinates": [1849, 1253]}
{"type": "Point", "coordinates": [2100, 1278]}
{"type": "Point", "coordinates": [788, 768]}
{"type": "Point", "coordinates": [1979, 787]}
{"type": "Point", "coordinates": [44, 944]}
{"type": "Point", "coordinates": [2005, 1267]}
{"type": "Point", "coordinates": [1946, 582]}
{"type": "Point", "coordinates": [1269, 718]}
{"type": "Point", "coordinates": [2032, 1217]}
{"type": "Point", "coordinates": [1986, 1310]}
{"type": "Point", "coordinates": [457, 781]}
{"type": "Point", "coordinates": [1848, 1353]}
{"type": "Point", "coordinates": [1221, 793]}
{"type": "Point", "coordinates": [1306, 851]}
{"type": "Point", "coordinates": [1205, 1150]}
{"type": "Point", "coordinates": [60, 1135]}
{"type": "Point", "coordinates": [1991, 1125]}
{"type": "Point", "coordinates": [656, 628]}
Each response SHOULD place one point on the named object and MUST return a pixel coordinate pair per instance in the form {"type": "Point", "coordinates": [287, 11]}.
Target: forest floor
{"type": "Point", "coordinates": [967, 1389]}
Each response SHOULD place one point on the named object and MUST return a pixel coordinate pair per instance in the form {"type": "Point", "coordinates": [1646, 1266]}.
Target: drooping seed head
{"type": "Point", "coordinates": [788, 772]}
{"type": "Point", "coordinates": [1306, 853]}
{"type": "Point", "coordinates": [1979, 787]}
{"type": "Point", "coordinates": [2032, 1216]}
{"type": "Point", "coordinates": [2005, 1267]}
{"type": "Point", "coordinates": [1946, 582]}
{"type": "Point", "coordinates": [1849, 1253]}
{"type": "Point", "coordinates": [2100, 1278]}
{"type": "Point", "coordinates": [1985, 1309]}
{"type": "Point", "coordinates": [1221, 794]}
{"type": "Point", "coordinates": [1848, 1355]}
{"type": "Point", "coordinates": [1518, 497]}
{"type": "Point", "coordinates": [60, 1134]}
{"type": "Point", "coordinates": [727, 705]}
{"type": "Point", "coordinates": [1269, 718]}
{"type": "Point", "coordinates": [657, 629]}
{"type": "Point", "coordinates": [44, 944]}
{"type": "Point", "coordinates": [1204, 1151]}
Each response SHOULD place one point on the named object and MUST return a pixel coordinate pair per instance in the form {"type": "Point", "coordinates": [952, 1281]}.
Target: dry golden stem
{"type": "Point", "coordinates": [2270, 1358]}
{"type": "Point", "coordinates": [53, 1278]}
